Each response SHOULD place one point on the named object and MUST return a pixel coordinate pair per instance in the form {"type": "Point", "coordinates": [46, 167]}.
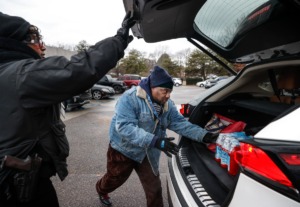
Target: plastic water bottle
{"type": "Point", "coordinates": [219, 144]}
{"type": "Point", "coordinates": [224, 154]}
{"type": "Point", "coordinates": [232, 166]}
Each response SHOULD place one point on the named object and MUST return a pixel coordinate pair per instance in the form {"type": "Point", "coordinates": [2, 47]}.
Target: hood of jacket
{"type": "Point", "coordinates": [12, 50]}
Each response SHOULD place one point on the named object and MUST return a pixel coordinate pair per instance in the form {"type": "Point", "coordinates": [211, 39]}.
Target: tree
{"type": "Point", "coordinates": [134, 63]}
{"type": "Point", "coordinates": [159, 51]}
{"type": "Point", "coordinates": [81, 46]}
{"type": "Point", "coordinates": [171, 66]}
{"type": "Point", "coordinates": [201, 65]}
{"type": "Point", "coordinates": [181, 57]}
{"type": "Point", "coordinates": [197, 64]}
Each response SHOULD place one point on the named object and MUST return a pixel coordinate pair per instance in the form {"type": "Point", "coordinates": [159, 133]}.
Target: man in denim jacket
{"type": "Point", "coordinates": [138, 135]}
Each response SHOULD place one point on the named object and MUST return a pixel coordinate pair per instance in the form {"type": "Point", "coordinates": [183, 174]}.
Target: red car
{"type": "Point", "coordinates": [130, 79]}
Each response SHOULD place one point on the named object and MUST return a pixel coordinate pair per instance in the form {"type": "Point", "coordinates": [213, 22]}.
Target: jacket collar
{"type": "Point", "coordinates": [12, 50]}
{"type": "Point", "coordinates": [140, 92]}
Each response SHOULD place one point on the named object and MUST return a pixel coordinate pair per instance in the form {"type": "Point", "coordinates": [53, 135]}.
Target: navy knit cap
{"type": "Point", "coordinates": [13, 27]}
{"type": "Point", "coordinates": [160, 78]}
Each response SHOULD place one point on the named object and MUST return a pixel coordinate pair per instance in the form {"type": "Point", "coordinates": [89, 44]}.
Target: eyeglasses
{"type": "Point", "coordinates": [165, 91]}
{"type": "Point", "coordinates": [36, 41]}
{"type": "Point", "coordinates": [34, 37]}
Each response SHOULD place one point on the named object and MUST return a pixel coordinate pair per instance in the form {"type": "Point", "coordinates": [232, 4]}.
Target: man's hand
{"type": "Point", "coordinates": [167, 146]}
{"type": "Point", "coordinates": [210, 137]}
{"type": "Point", "coordinates": [123, 32]}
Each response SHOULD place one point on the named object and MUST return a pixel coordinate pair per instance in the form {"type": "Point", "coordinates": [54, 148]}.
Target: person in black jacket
{"type": "Point", "coordinates": [32, 135]}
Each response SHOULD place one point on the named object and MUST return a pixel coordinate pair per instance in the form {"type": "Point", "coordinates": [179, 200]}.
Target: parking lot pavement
{"type": "Point", "coordinates": [87, 131]}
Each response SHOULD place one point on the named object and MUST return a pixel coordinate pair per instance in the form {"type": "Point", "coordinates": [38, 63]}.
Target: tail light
{"type": "Point", "coordinates": [291, 159]}
{"type": "Point", "coordinates": [184, 110]}
{"type": "Point", "coordinates": [256, 160]}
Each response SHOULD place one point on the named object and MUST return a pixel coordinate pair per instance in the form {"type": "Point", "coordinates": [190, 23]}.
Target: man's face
{"type": "Point", "coordinates": [161, 95]}
{"type": "Point", "coordinates": [38, 48]}
{"type": "Point", "coordinates": [34, 41]}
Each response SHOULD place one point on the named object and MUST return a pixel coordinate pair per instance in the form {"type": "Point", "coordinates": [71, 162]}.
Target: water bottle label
{"type": "Point", "coordinates": [218, 154]}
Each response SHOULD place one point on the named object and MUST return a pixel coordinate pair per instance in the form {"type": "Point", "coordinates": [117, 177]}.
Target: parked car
{"type": "Point", "coordinates": [265, 36]}
{"type": "Point", "coordinates": [130, 79]}
{"type": "Point", "coordinates": [101, 92]}
{"type": "Point", "coordinates": [78, 101]}
{"type": "Point", "coordinates": [118, 86]}
{"type": "Point", "coordinates": [201, 83]}
{"type": "Point", "coordinates": [177, 81]}
{"type": "Point", "coordinates": [211, 82]}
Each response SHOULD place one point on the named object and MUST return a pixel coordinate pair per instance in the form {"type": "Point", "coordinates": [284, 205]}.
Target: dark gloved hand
{"type": "Point", "coordinates": [167, 146]}
{"type": "Point", "coordinates": [210, 137]}
{"type": "Point", "coordinates": [123, 32]}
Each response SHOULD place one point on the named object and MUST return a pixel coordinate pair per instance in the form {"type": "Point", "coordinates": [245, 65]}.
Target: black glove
{"type": "Point", "coordinates": [210, 137]}
{"type": "Point", "coordinates": [123, 32]}
{"type": "Point", "coordinates": [167, 146]}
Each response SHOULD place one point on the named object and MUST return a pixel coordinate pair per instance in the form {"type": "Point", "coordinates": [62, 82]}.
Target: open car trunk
{"type": "Point", "coordinates": [212, 184]}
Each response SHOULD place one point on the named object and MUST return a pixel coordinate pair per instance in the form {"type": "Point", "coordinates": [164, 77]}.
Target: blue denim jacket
{"type": "Point", "coordinates": [134, 126]}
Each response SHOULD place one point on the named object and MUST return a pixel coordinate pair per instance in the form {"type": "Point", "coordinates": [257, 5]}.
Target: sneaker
{"type": "Point", "coordinates": [105, 200]}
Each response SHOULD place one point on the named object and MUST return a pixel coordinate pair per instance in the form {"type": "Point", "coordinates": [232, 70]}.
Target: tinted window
{"type": "Point", "coordinates": [103, 79]}
{"type": "Point", "coordinates": [135, 78]}
{"type": "Point", "coordinates": [222, 20]}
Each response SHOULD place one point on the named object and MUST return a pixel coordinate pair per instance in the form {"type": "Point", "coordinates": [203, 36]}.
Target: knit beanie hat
{"type": "Point", "coordinates": [160, 78]}
{"type": "Point", "coordinates": [13, 27]}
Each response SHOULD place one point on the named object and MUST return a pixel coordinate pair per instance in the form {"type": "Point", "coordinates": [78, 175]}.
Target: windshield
{"type": "Point", "coordinates": [223, 20]}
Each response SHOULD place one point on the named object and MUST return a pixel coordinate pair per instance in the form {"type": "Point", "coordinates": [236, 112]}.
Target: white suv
{"type": "Point", "coordinates": [177, 82]}
{"type": "Point", "coordinates": [263, 98]}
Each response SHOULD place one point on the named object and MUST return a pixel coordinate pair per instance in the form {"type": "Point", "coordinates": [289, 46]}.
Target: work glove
{"type": "Point", "coordinates": [167, 146]}
{"type": "Point", "coordinates": [123, 32]}
{"type": "Point", "coordinates": [210, 137]}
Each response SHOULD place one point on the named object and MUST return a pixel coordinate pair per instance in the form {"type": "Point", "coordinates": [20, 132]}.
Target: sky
{"type": "Point", "coordinates": [67, 22]}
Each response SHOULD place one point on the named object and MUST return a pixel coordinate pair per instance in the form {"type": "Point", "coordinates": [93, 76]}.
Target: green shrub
{"type": "Point", "coordinates": [193, 81]}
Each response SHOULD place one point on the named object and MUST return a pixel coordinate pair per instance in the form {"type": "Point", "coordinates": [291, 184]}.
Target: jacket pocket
{"type": "Point", "coordinates": [146, 122]}
{"type": "Point", "coordinates": [59, 132]}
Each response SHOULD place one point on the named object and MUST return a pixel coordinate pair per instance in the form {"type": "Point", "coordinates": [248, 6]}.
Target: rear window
{"type": "Point", "coordinates": [129, 78]}
{"type": "Point", "coordinates": [135, 78]}
{"type": "Point", "coordinates": [222, 21]}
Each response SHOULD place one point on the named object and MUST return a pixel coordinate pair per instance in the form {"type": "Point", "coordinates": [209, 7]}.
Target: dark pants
{"type": "Point", "coordinates": [45, 197]}
{"type": "Point", "coordinates": [119, 168]}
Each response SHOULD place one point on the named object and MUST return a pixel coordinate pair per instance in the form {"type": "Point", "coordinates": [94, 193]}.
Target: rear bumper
{"type": "Point", "coordinates": [179, 195]}
{"type": "Point", "coordinates": [248, 192]}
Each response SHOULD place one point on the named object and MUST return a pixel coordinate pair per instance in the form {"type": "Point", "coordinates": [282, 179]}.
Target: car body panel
{"type": "Point", "coordinates": [106, 91]}
{"type": "Point", "coordinates": [262, 196]}
{"type": "Point", "coordinates": [289, 128]}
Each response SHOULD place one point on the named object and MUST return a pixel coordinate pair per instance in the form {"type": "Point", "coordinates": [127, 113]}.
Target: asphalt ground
{"type": "Point", "coordinates": [87, 131]}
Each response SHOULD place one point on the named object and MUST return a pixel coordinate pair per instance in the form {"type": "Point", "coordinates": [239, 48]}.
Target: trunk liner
{"type": "Point", "coordinates": [216, 181]}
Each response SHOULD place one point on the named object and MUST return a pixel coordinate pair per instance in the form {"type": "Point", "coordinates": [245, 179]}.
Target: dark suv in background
{"type": "Point", "coordinates": [117, 85]}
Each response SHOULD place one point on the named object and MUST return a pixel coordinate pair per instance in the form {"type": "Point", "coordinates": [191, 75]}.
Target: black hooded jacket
{"type": "Point", "coordinates": [31, 87]}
